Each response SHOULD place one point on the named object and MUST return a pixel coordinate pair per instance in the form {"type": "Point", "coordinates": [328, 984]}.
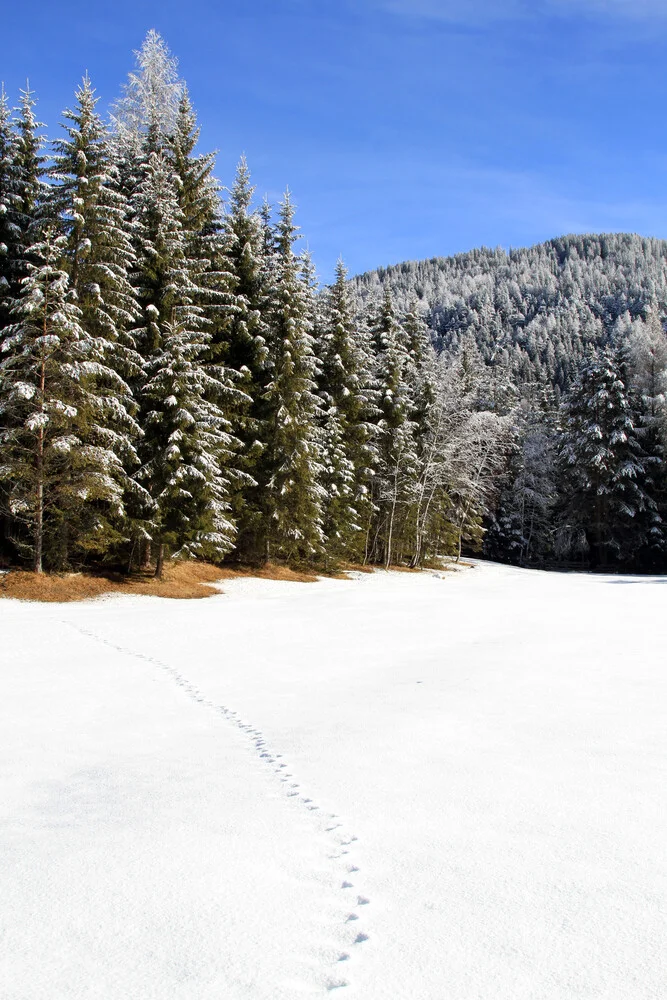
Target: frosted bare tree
{"type": "Point", "coordinates": [151, 96]}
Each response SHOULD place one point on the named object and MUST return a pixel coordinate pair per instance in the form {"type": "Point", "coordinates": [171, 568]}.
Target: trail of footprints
{"type": "Point", "coordinates": [342, 842]}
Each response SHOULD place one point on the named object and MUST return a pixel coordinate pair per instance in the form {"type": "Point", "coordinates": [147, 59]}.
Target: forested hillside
{"type": "Point", "coordinates": [570, 335]}
{"type": "Point", "coordinates": [535, 310]}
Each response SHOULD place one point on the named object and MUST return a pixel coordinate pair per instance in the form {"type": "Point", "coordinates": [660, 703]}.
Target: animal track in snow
{"type": "Point", "coordinates": [265, 755]}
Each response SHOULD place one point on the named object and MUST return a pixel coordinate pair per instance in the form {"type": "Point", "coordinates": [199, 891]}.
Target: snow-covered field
{"type": "Point", "coordinates": [408, 787]}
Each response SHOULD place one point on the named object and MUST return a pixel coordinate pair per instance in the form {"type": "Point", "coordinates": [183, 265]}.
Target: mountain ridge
{"type": "Point", "coordinates": [535, 309]}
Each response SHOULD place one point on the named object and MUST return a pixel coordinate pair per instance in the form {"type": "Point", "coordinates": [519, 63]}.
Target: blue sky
{"type": "Point", "coordinates": [404, 128]}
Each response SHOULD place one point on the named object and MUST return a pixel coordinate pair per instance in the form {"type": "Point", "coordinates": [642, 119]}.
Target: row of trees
{"type": "Point", "coordinates": [173, 382]}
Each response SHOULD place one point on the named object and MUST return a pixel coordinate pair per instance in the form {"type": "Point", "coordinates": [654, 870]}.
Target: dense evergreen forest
{"type": "Point", "coordinates": [174, 383]}
{"type": "Point", "coordinates": [571, 335]}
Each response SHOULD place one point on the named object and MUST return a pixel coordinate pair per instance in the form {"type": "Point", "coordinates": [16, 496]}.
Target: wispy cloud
{"type": "Point", "coordinates": [474, 12]}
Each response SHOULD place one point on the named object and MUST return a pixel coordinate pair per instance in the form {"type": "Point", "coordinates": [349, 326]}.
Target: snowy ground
{"type": "Point", "coordinates": [396, 788]}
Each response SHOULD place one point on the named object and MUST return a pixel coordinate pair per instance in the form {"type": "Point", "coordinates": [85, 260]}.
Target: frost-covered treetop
{"type": "Point", "coordinates": [152, 93]}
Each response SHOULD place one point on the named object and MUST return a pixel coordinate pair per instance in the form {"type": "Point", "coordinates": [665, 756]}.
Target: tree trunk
{"type": "Point", "coordinates": [391, 521]}
{"type": "Point", "coordinates": [145, 562]}
{"type": "Point", "coordinates": [159, 566]}
{"type": "Point", "coordinates": [421, 528]}
{"type": "Point", "coordinates": [130, 561]}
{"type": "Point", "coordinates": [39, 513]}
{"type": "Point", "coordinates": [366, 546]}
{"type": "Point", "coordinates": [416, 556]}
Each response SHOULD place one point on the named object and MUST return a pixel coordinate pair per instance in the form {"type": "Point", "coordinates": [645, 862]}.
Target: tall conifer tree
{"type": "Point", "coordinates": [293, 495]}
{"type": "Point", "coordinates": [33, 192]}
{"type": "Point", "coordinates": [10, 200]}
{"type": "Point", "coordinates": [175, 341]}
{"type": "Point", "coordinates": [65, 482]}
{"type": "Point", "coordinates": [187, 448]}
{"type": "Point", "coordinates": [348, 394]}
{"type": "Point", "coordinates": [242, 345]}
{"type": "Point", "coordinates": [603, 464]}
{"type": "Point", "coordinates": [91, 215]}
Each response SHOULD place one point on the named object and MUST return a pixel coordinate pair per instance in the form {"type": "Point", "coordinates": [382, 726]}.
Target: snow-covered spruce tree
{"type": "Point", "coordinates": [199, 202]}
{"type": "Point", "coordinates": [197, 190]}
{"type": "Point", "coordinates": [269, 237]}
{"type": "Point", "coordinates": [165, 278]}
{"type": "Point", "coordinates": [437, 422]}
{"type": "Point", "coordinates": [22, 192]}
{"type": "Point", "coordinates": [179, 272]}
{"type": "Point", "coordinates": [175, 337]}
{"type": "Point", "coordinates": [346, 387]}
{"type": "Point", "coordinates": [382, 322]}
{"type": "Point", "coordinates": [244, 245]}
{"type": "Point", "coordinates": [10, 200]}
{"type": "Point", "coordinates": [293, 496]}
{"type": "Point", "coordinates": [64, 483]}
{"type": "Point", "coordinates": [91, 215]}
{"type": "Point", "coordinates": [205, 239]}
{"type": "Point", "coordinates": [242, 346]}
{"type": "Point", "coordinates": [473, 372]}
{"type": "Point", "coordinates": [188, 447]}
{"type": "Point", "coordinates": [340, 519]}
{"type": "Point", "coordinates": [602, 463]}
{"type": "Point", "coordinates": [647, 354]}
{"type": "Point", "coordinates": [162, 145]}
{"type": "Point", "coordinates": [25, 219]}
{"type": "Point", "coordinates": [421, 369]}
{"type": "Point", "coordinates": [29, 213]}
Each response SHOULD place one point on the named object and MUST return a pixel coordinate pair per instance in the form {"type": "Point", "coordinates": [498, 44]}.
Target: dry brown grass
{"type": "Point", "coordinates": [271, 571]}
{"type": "Point", "coordinates": [181, 581]}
